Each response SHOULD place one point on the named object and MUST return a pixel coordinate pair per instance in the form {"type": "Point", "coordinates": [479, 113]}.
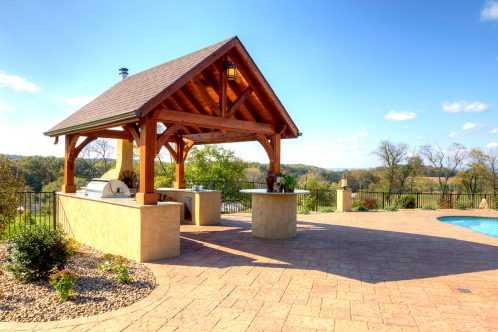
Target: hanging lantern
{"type": "Point", "coordinates": [231, 71]}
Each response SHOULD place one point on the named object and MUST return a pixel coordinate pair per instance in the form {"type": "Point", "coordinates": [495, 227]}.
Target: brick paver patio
{"type": "Point", "coordinates": [380, 271]}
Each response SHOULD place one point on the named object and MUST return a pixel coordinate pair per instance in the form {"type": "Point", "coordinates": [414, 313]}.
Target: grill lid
{"type": "Point", "coordinates": [107, 189]}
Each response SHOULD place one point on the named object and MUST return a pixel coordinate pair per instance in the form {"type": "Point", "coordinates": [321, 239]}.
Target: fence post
{"type": "Point", "coordinates": [417, 205]}
{"type": "Point", "coordinates": [316, 200]}
{"type": "Point", "coordinates": [54, 209]}
{"type": "Point", "coordinates": [383, 201]}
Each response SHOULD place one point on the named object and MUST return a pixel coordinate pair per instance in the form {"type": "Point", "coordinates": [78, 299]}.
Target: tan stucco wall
{"type": "Point", "coordinates": [274, 216]}
{"type": "Point", "coordinates": [124, 160]}
{"type": "Point", "coordinates": [206, 205]}
{"type": "Point", "coordinates": [141, 233]}
{"type": "Point", "coordinates": [344, 200]}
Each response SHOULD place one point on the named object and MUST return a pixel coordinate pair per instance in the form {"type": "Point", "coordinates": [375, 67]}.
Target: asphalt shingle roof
{"type": "Point", "coordinates": [125, 98]}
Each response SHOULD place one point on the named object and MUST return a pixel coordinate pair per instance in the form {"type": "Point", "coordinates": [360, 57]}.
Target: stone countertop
{"type": "Point", "coordinates": [187, 190]}
{"type": "Point", "coordinates": [128, 201]}
{"type": "Point", "coordinates": [264, 192]}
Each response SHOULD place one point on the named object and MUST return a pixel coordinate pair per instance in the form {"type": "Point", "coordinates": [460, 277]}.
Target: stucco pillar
{"type": "Point", "coordinates": [344, 200]}
{"type": "Point", "coordinates": [124, 160]}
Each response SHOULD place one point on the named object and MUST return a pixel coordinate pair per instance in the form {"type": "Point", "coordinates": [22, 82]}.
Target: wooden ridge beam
{"type": "Point", "coordinates": [207, 121]}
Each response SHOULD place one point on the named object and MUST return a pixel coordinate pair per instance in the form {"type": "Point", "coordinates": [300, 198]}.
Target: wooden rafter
{"type": "Point", "coordinates": [167, 134]}
{"type": "Point", "coordinates": [223, 89]}
{"type": "Point", "coordinates": [109, 133]}
{"type": "Point", "coordinates": [236, 105]}
{"type": "Point", "coordinates": [134, 131]}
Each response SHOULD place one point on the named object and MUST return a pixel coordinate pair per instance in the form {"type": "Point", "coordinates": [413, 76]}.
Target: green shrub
{"type": "Point", "coordinates": [109, 262]}
{"type": "Point", "coordinates": [33, 252]}
{"type": "Point", "coordinates": [122, 274]}
{"type": "Point", "coordinates": [369, 203]}
{"type": "Point", "coordinates": [64, 284]}
{"type": "Point", "coordinates": [428, 207]}
{"type": "Point", "coordinates": [407, 202]}
{"type": "Point", "coordinates": [462, 205]}
{"type": "Point", "coordinates": [309, 202]}
{"type": "Point", "coordinates": [326, 209]}
{"type": "Point", "coordinates": [392, 208]}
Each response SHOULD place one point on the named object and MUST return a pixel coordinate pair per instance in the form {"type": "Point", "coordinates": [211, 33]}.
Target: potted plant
{"type": "Point", "coordinates": [289, 183]}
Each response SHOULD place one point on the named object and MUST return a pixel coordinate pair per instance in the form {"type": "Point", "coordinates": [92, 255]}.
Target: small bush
{"type": "Point", "coordinates": [462, 205]}
{"type": "Point", "coordinates": [64, 284]}
{"type": "Point", "coordinates": [326, 209]}
{"type": "Point", "coordinates": [392, 208]}
{"type": "Point", "coordinates": [33, 252]}
{"type": "Point", "coordinates": [428, 207]}
{"type": "Point", "coordinates": [109, 262]}
{"type": "Point", "coordinates": [122, 274]}
{"type": "Point", "coordinates": [407, 202]}
{"type": "Point", "coordinates": [369, 203]}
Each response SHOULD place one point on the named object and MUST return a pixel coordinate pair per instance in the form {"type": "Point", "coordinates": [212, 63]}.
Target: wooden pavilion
{"type": "Point", "coordinates": [214, 95]}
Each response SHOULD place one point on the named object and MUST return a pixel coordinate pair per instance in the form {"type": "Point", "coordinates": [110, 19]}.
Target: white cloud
{"type": "Point", "coordinates": [490, 11]}
{"type": "Point", "coordinates": [494, 131]}
{"type": "Point", "coordinates": [17, 83]}
{"type": "Point", "coordinates": [400, 116]}
{"type": "Point", "coordinates": [465, 106]}
{"type": "Point", "coordinates": [77, 101]}
{"type": "Point", "coordinates": [4, 108]}
{"type": "Point", "coordinates": [452, 134]}
{"type": "Point", "coordinates": [492, 145]}
{"type": "Point", "coordinates": [469, 126]}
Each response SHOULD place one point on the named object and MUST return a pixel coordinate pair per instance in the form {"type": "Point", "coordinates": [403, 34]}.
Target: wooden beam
{"type": "Point", "coordinates": [186, 149]}
{"type": "Point", "coordinates": [163, 138]}
{"type": "Point", "coordinates": [69, 158]}
{"type": "Point", "coordinates": [236, 105]}
{"type": "Point", "coordinates": [134, 132]}
{"type": "Point", "coordinates": [206, 121]}
{"type": "Point", "coordinates": [255, 78]}
{"type": "Point", "coordinates": [267, 146]}
{"type": "Point", "coordinates": [146, 194]}
{"type": "Point", "coordinates": [223, 89]}
{"type": "Point", "coordinates": [180, 163]}
{"type": "Point", "coordinates": [171, 151]}
{"type": "Point", "coordinates": [275, 144]}
{"type": "Point", "coordinates": [82, 145]}
{"type": "Point", "coordinates": [108, 133]}
{"type": "Point", "coordinates": [219, 137]}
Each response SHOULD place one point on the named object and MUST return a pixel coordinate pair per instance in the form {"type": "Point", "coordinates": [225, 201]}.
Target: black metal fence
{"type": "Point", "coordinates": [22, 209]}
{"type": "Point", "coordinates": [233, 201]}
{"type": "Point", "coordinates": [422, 200]}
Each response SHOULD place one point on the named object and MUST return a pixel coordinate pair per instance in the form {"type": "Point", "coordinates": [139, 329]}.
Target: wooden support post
{"type": "Point", "coordinates": [180, 163]}
{"type": "Point", "coordinates": [275, 144]}
{"type": "Point", "coordinates": [69, 159]}
{"type": "Point", "coordinates": [148, 137]}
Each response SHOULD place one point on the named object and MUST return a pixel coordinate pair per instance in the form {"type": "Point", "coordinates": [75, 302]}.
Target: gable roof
{"type": "Point", "coordinates": [133, 97]}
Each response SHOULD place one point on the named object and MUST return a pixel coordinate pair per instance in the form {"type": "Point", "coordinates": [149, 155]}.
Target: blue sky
{"type": "Point", "coordinates": [350, 73]}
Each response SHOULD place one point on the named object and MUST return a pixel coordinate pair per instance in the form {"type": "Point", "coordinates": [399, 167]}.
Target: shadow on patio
{"type": "Point", "coordinates": [363, 254]}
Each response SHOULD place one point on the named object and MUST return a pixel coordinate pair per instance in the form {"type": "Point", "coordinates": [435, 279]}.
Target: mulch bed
{"type": "Point", "coordinates": [97, 291]}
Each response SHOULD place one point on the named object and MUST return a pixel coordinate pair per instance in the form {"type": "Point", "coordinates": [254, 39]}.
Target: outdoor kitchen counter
{"type": "Point", "coordinates": [120, 226]}
{"type": "Point", "coordinates": [201, 207]}
{"type": "Point", "coordinates": [274, 214]}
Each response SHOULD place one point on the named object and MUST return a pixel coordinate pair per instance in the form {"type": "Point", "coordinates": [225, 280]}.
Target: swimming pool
{"type": "Point", "coordinates": [484, 225]}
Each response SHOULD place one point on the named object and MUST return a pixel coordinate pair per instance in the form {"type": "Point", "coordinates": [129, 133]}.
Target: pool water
{"type": "Point", "coordinates": [484, 225]}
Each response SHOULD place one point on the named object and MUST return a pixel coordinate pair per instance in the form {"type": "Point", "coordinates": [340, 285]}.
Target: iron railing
{"type": "Point", "coordinates": [24, 209]}
{"type": "Point", "coordinates": [233, 201]}
{"type": "Point", "coordinates": [428, 200]}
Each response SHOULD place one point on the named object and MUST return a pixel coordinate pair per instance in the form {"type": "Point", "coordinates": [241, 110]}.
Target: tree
{"type": "Point", "coordinates": [391, 155]}
{"type": "Point", "coordinates": [474, 177]}
{"type": "Point", "coordinates": [10, 183]}
{"type": "Point", "coordinates": [214, 163]}
{"type": "Point", "coordinates": [492, 162]}
{"type": "Point", "coordinates": [101, 149]}
{"type": "Point", "coordinates": [409, 171]}
{"type": "Point", "coordinates": [445, 163]}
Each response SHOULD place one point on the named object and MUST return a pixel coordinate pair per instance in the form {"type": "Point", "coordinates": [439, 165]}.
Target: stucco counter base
{"type": "Point", "coordinates": [122, 227]}
{"type": "Point", "coordinates": [274, 215]}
